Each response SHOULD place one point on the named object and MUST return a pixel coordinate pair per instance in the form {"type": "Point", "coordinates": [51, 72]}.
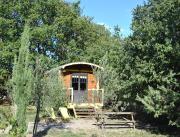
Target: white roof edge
{"type": "Point", "coordinates": [74, 63]}
{"type": "Point", "coordinates": [79, 63]}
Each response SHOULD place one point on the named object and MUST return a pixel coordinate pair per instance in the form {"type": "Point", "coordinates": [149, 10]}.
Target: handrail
{"type": "Point", "coordinates": [72, 94]}
{"type": "Point", "coordinates": [102, 95]}
{"type": "Point", "coordinates": [93, 95]}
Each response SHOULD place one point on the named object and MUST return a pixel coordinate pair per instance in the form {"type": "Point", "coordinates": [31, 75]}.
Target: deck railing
{"type": "Point", "coordinates": [90, 96]}
{"type": "Point", "coordinates": [96, 95]}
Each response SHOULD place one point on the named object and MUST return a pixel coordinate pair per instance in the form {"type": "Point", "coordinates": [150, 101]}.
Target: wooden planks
{"type": "Point", "coordinates": [85, 112]}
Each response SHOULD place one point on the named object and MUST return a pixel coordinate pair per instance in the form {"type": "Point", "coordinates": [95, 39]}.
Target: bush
{"type": "Point", "coordinates": [5, 116]}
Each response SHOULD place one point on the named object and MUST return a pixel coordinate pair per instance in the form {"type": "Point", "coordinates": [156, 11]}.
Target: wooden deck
{"type": "Point", "coordinates": [85, 105]}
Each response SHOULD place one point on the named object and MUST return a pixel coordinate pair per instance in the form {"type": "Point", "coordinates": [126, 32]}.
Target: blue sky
{"type": "Point", "coordinates": [111, 12]}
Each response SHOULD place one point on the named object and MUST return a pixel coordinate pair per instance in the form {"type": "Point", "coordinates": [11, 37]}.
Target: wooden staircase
{"type": "Point", "coordinates": [85, 112]}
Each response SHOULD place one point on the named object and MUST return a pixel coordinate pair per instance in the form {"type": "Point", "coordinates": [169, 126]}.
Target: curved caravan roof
{"type": "Point", "coordinates": [80, 63]}
{"type": "Point", "coordinates": [74, 64]}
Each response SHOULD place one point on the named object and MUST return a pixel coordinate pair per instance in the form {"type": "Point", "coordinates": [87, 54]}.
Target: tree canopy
{"type": "Point", "coordinates": [141, 71]}
{"type": "Point", "coordinates": [148, 63]}
{"type": "Point", "coordinates": [58, 32]}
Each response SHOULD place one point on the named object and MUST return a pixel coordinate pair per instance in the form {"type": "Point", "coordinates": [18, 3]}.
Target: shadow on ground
{"type": "Point", "coordinates": [43, 128]}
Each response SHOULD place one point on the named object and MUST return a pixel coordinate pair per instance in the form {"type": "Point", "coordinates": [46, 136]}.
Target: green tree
{"type": "Point", "coordinates": [107, 54]}
{"type": "Point", "coordinates": [22, 84]}
{"type": "Point", "coordinates": [54, 94]}
{"type": "Point", "coordinates": [48, 89]}
{"type": "Point", "coordinates": [149, 66]}
{"type": "Point", "coordinates": [108, 79]}
{"type": "Point", "coordinates": [58, 31]}
{"type": "Point", "coordinates": [39, 84]}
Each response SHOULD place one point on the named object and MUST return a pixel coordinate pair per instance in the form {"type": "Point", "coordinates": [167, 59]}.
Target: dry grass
{"type": "Point", "coordinates": [100, 133]}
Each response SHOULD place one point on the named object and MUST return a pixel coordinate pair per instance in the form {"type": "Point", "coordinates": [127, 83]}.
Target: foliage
{"type": "Point", "coordinates": [141, 72]}
{"type": "Point", "coordinates": [108, 79]}
{"type": "Point", "coordinates": [148, 63]}
{"type": "Point", "coordinates": [54, 94]}
{"type": "Point", "coordinates": [5, 116]}
{"type": "Point", "coordinates": [22, 83]}
{"type": "Point", "coordinates": [58, 32]}
{"type": "Point", "coordinates": [106, 53]}
{"type": "Point", "coordinates": [95, 51]}
{"type": "Point", "coordinates": [159, 101]}
{"type": "Point", "coordinates": [161, 46]}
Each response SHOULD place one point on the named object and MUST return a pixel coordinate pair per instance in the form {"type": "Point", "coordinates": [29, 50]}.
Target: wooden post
{"type": "Point", "coordinates": [71, 94]}
{"type": "Point", "coordinates": [102, 96]}
{"type": "Point", "coordinates": [93, 96]}
{"type": "Point", "coordinates": [132, 117]}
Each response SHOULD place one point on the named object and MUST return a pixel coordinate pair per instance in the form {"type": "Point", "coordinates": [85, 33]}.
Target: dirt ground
{"type": "Point", "coordinates": [85, 128]}
{"type": "Point", "coordinates": [74, 124]}
{"type": "Point", "coordinates": [84, 124]}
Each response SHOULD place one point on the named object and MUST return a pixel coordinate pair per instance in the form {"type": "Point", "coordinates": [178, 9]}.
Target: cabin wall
{"type": "Point", "coordinates": [92, 83]}
{"type": "Point", "coordinates": [67, 79]}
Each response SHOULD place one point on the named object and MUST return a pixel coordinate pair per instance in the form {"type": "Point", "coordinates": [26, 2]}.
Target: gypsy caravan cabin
{"type": "Point", "coordinates": [81, 85]}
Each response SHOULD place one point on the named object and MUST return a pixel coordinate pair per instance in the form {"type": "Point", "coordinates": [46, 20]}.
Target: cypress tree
{"type": "Point", "coordinates": [21, 84]}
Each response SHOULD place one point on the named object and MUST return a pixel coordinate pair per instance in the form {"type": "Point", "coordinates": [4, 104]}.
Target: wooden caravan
{"type": "Point", "coordinates": [81, 84]}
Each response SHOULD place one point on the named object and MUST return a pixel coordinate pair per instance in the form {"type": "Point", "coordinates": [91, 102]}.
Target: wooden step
{"type": "Point", "coordinates": [87, 116]}
{"type": "Point", "coordinates": [85, 112]}
{"type": "Point", "coordinates": [105, 125]}
{"type": "Point", "coordinates": [117, 126]}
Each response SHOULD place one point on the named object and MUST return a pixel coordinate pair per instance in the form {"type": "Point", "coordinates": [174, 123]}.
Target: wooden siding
{"type": "Point", "coordinates": [91, 81]}
{"type": "Point", "coordinates": [67, 81]}
{"type": "Point", "coordinates": [91, 85]}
